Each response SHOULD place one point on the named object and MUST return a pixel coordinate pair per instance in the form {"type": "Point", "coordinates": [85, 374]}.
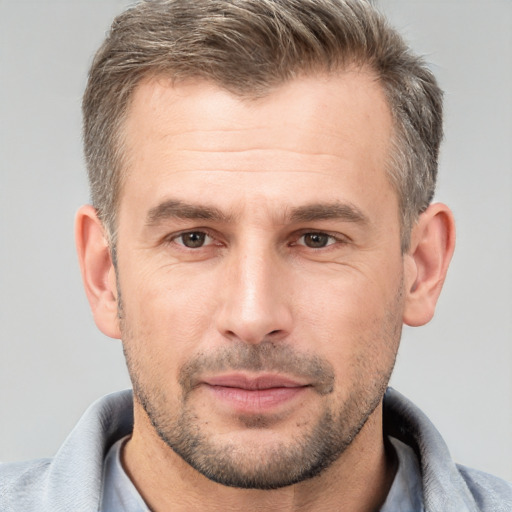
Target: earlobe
{"type": "Point", "coordinates": [432, 246]}
{"type": "Point", "coordinates": [98, 273]}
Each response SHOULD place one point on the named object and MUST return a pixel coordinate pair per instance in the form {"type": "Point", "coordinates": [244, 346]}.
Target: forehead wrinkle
{"type": "Point", "coordinates": [257, 149]}
{"type": "Point", "coordinates": [327, 131]}
{"type": "Point", "coordinates": [264, 139]}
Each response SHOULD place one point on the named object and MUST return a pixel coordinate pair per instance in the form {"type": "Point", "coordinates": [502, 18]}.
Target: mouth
{"type": "Point", "coordinates": [254, 394]}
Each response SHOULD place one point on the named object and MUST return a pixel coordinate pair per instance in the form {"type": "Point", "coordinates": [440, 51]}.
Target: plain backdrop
{"type": "Point", "coordinates": [53, 360]}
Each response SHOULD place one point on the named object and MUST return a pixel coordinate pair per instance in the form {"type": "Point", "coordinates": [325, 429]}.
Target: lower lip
{"type": "Point", "coordinates": [255, 400]}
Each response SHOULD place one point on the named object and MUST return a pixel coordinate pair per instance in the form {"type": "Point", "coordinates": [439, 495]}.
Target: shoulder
{"type": "Point", "coordinates": [21, 484]}
{"type": "Point", "coordinates": [490, 492]}
{"type": "Point", "coordinates": [72, 479]}
{"type": "Point", "coordinates": [447, 487]}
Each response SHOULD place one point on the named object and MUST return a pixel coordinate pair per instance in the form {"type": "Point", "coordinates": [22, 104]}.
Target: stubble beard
{"type": "Point", "coordinates": [258, 466]}
{"type": "Point", "coordinates": [298, 459]}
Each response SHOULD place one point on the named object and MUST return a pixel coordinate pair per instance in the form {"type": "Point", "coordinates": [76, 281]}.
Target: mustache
{"type": "Point", "coordinates": [263, 357]}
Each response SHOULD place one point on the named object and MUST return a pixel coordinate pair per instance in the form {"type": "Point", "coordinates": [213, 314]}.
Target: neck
{"type": "Point", "coordinates": [358, 481]}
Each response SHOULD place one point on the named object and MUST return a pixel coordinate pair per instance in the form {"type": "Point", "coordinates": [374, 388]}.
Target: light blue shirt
{"type": "Point", "coordinates": [119, 493]}
{"type": "Point", "coordinates": [405, 495]}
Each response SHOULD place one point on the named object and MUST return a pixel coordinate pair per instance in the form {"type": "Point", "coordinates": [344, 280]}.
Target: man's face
{"type": "Point", "coordinates": [260, 272]}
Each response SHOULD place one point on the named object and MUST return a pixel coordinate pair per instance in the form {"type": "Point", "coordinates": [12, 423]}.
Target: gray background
{"type": "Point", "coordinates": [54, 362]}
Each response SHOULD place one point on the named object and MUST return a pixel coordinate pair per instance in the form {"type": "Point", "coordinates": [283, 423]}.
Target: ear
{"type": "Point", "coordinates": [98, 273]}
{"type": "Point", "coordinates": [432, 246]}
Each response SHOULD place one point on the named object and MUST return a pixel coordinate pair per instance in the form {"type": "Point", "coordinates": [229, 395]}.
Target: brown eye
{"type": "Point", "coordinates": [193, 239]}
{"type": "Point", "coordinates": [316, 240]}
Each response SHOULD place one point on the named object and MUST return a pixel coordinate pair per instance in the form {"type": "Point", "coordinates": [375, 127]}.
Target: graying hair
{"type": "Point", "coordinates": [250, 47]}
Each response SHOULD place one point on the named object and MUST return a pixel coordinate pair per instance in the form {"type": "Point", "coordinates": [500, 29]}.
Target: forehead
{"type": "Point", "coordinates": [328, 101]}
{"type": "Point", "coordinates": [307, 133]}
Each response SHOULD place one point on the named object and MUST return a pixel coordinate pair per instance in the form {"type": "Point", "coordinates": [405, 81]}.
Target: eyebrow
{"type": "Point", "coordinates": [176, 209]}
{"type": "Point", "coordinates": [327, 211]}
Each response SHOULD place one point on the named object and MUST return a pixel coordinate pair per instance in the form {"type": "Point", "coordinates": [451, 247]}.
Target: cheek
{"type": "Point", "coordinates": [353, 320]}
{"type": "Point", "coordinates": [164, 317]}
{"type": "Point", "coordinates": [346, 300]}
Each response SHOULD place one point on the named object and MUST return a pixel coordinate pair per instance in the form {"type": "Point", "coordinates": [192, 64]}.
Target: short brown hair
{"type": "Point", "coordinates": [249, 47]}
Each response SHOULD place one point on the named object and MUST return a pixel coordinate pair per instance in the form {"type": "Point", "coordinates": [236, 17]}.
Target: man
{"type": "Point", "coordinates": [262, 174]}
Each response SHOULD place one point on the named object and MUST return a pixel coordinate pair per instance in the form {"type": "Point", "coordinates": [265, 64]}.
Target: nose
{"type": "Point", "coordinates": [255, 301]}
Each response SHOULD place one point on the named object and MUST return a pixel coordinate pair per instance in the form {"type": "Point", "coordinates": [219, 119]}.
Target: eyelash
{"type": "Point", "coordinates": [205, 233]}
{"type": "Point", "coordinates": [331, 239]}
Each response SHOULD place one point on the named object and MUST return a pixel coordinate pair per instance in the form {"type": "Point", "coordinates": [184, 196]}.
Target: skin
{"type": "Point", "coordinates": [295, 257]}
